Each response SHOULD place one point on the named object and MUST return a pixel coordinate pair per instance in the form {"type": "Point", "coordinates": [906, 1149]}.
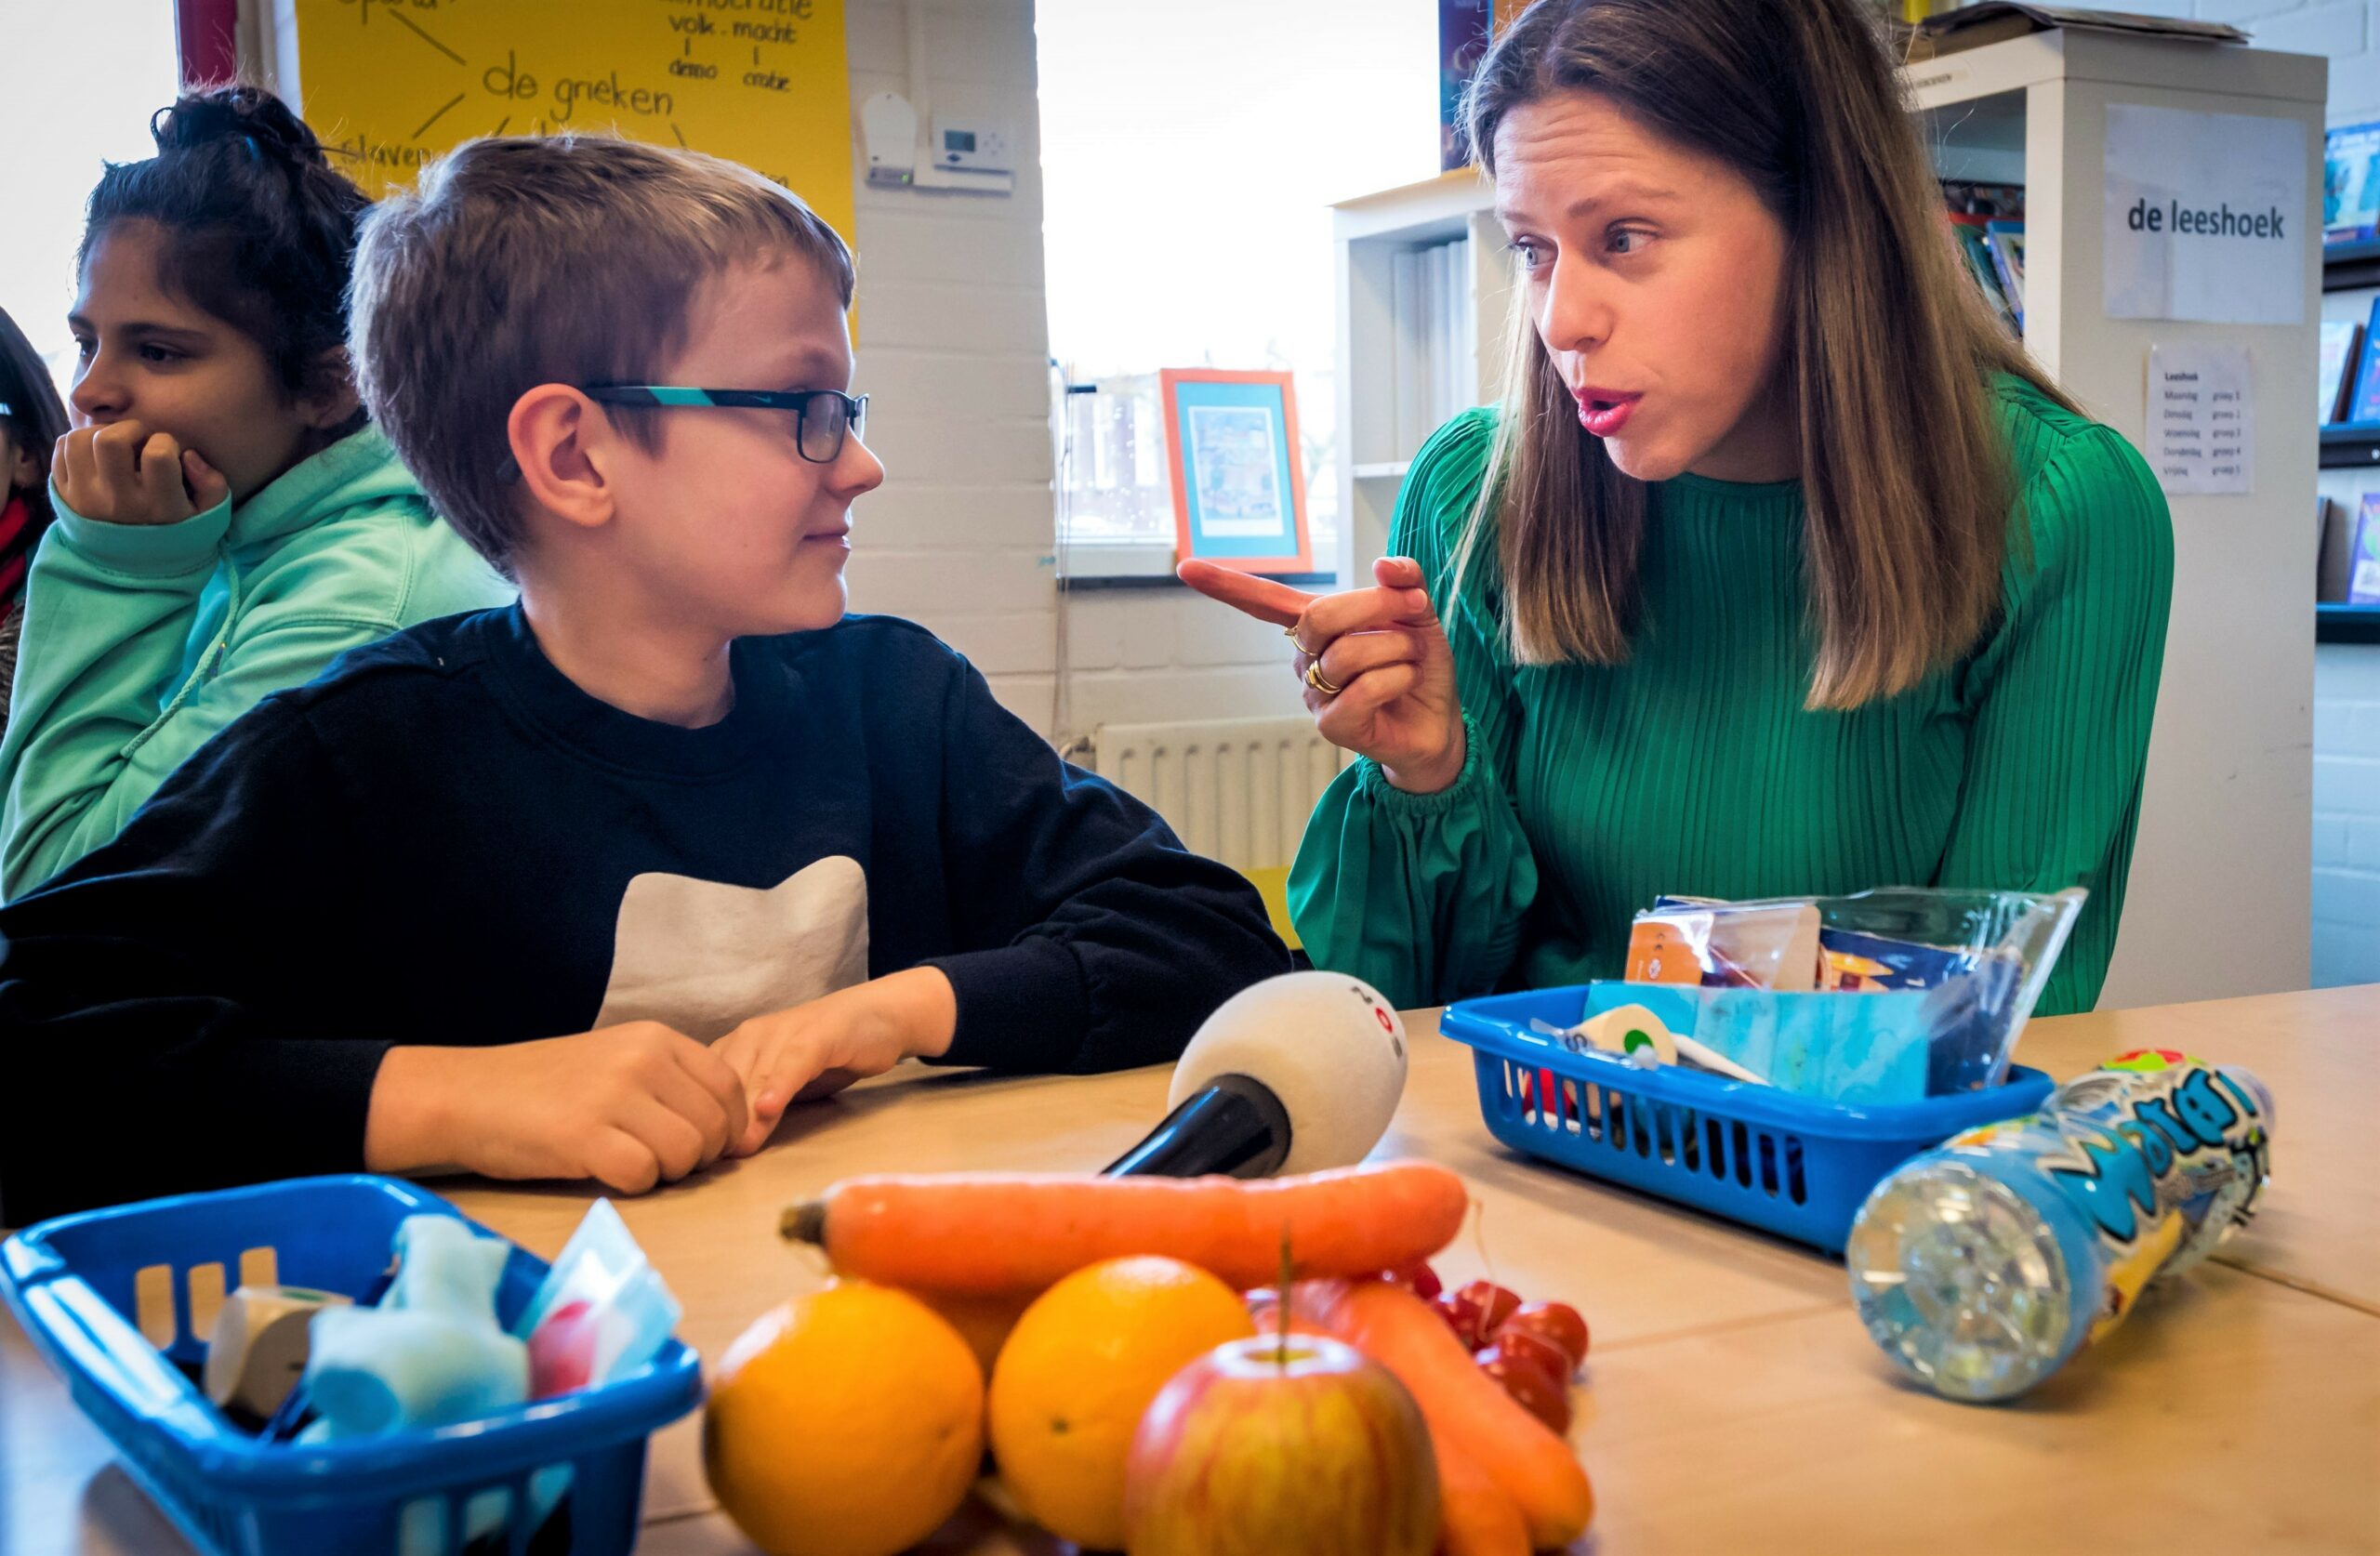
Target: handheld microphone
{"type": "Point", "coordinates": [1295, 1073]}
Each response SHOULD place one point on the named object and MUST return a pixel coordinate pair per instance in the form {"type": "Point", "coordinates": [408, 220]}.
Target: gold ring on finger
{"type": "Point", "coordinates": [1290, 632]}
{"type": "Point", "coordinates": [1320, 682]}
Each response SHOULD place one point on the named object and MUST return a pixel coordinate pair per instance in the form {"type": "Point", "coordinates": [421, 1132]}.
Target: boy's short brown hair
{"type": "Point", "coordinates": [519, 261]}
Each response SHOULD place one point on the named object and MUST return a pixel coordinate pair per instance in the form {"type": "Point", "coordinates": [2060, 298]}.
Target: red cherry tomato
{"type": "Point", "coordinates": [1482, 1306]}
{"type": "Point", "coordinates": [1533, 1347]}
{"type": "Point", "coordinates": [1419, 1279]}
{"type": "Point", "coordinates": [1528, 1383]}
{"type": "Point", "coordinates": [1558, 1322]}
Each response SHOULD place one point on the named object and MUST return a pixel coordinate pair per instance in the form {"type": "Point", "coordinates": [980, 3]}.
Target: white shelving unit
{"type": "Point", "coordinates": [1370, 233]}
{"type": "Point", "coordinates": [2217, 904]}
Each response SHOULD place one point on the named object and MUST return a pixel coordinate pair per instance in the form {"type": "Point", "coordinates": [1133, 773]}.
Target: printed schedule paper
{"type": "Point", "coordinates": [2202, 419]}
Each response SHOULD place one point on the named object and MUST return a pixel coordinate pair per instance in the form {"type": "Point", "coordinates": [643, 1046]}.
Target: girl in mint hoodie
{"type": "Point", "coordinates": [227, 522]}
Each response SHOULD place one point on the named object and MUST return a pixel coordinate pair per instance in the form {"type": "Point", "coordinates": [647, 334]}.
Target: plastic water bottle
{"type": "Point", "coordinates": [1983, 1266]}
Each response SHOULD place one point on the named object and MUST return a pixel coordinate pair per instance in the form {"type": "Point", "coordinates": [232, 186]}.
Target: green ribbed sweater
{"type": "Point", "coordinates": [1694, 769]}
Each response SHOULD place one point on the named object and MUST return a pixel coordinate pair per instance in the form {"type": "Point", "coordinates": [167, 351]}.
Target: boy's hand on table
{"type": "Point", "coordinates": [812, 1050]}
{"type": "Point", "coordinates": [629, 1106]}
{"type": "Point", "coordinates": [125, 474]}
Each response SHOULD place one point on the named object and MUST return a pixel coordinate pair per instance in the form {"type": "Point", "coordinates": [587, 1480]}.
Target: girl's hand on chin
{"type": "Point", "coordinates": [125, 474]}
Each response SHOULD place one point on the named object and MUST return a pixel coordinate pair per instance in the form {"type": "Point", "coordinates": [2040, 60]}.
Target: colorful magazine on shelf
{"type": "Point", "coordinates": [2351, 183]}
{"type": "Point", "coordinates": [2363, 558]}
{"type": "Point", "coordinates": [2363, 399]}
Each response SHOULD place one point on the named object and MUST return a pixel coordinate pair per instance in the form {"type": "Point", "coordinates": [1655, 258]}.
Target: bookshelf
{"type": "Point", "coordinates": [2351, 451]}
{"type": "Point", "coordinates": [2219, 901]}
{"type": "Point", "coordinates": [1370, 233]}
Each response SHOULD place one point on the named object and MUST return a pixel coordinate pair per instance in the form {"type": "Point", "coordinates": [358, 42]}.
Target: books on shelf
{"type": "Point", "coordinates": [2342, 347]}
{"type": "Point", "coordinates": [2329, 553]}
{"type": "Point", "coordinates": [2363, 399]}
{"type": "Point", "coordinates": [2351, 183]}
{"type": "Point", "coordinates": [1988, 222]}
{"type": "Point", "coordinates": [2007, 242]}
{"type": "Point", "coordinates": [1969, 231]}
{"type": "Point", "coordinates": [2363, 557]}
{"type": "Point", "coordinates": [1434, 325]}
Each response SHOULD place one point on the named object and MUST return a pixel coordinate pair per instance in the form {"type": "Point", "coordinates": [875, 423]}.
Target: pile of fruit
{"type": "Point", "coordinates": [1102, 1338]}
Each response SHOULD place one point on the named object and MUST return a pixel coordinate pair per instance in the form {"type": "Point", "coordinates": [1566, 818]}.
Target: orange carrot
{"type": "Point", "coordinates": [1018, 1232]}
{"type": "Point", "coordinates": [1463, 1405]}
{"type": "Point", "coordinates": [1475, 1516]}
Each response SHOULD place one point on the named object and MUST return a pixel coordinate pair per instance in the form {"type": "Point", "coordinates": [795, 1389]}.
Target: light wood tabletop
{"type": "Point", "coordinates": [1731, 1401]}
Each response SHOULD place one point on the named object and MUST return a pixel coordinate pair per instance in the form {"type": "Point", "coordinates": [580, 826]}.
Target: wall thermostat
{"type": "Point", "coordinates": [973, 145]}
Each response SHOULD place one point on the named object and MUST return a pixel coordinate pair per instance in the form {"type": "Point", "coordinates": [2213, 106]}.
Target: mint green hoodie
{"type": "Point", "coordinates": [143, 641]}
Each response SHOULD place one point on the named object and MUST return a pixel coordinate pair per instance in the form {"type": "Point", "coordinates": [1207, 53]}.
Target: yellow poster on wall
{"type": "Point", "coordinates": [393, 83]}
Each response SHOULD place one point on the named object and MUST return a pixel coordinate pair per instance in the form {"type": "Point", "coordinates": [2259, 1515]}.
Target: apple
{"type": "Point", "coordinates": [1259, 1447]}
{"type": "Point", "coordinates": [1538, 1392]}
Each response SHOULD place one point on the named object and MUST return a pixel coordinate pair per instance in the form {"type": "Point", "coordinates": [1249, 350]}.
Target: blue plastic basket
{"type": "Point", "coordinates": [77, 1285]}
{"type": "Point", "coordinates": [1793, 1164]}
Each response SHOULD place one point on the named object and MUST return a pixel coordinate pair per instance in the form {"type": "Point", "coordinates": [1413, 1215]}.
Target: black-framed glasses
{"type": "Point", "coordinates": [821, 418]}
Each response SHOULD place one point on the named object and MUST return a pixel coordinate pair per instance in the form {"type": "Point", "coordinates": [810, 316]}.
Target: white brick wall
{"type": "Point", "coordinates": [2346, 31]}
{"type": "Point", "coordinates": [2347, 814]}
{"type": "Point", "coordinates": [954, 345]}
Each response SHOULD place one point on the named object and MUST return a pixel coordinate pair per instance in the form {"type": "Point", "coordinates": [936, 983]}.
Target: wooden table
{"type": "Point", "coordinates": [1732, 1401]}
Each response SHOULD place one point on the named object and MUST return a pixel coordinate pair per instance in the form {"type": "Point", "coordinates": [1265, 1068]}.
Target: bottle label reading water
{"type": "Point", "coordinates": [1982, 1266]}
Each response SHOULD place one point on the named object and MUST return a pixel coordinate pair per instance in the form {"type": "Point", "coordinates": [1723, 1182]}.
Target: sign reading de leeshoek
{"type": "Point", "coordinates": [2206, 217]}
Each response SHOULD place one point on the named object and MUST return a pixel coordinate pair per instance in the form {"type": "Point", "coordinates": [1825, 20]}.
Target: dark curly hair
{"type": "Point", "coordinates": [263, 227]}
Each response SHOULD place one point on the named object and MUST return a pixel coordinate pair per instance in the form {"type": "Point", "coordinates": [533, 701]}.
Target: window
{"type": "Point", "coordinates": [1189, 155]}
{"type": "Point", "coordinates": [87, 78]}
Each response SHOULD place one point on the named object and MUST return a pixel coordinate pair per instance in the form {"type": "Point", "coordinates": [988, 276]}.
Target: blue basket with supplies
{"type": "Point", "coordinates": [108, 1297]}
{"type": "Point", "coordinates": [1793, 1163]}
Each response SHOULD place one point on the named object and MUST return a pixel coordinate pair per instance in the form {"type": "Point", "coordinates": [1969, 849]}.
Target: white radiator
{"type": "Point", "coordinates": [1238, 790]}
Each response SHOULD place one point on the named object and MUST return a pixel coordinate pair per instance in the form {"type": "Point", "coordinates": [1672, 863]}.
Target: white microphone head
{"type": "Point", "coordinates": [1327, 1045]}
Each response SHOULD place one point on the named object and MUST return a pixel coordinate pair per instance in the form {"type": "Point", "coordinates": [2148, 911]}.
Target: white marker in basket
{"type": "Point", "coordinates": [1641, 1038]}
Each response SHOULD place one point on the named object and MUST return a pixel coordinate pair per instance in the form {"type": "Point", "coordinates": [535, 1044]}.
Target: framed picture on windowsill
{"type": "Point", "coordinates": [1238, 490]}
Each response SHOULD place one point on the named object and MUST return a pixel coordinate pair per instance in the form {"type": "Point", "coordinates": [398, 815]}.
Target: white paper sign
{"type": "Point", "coordinates": [2202, 419]}
{"type": "Point", "coordinates": [2205, 217]}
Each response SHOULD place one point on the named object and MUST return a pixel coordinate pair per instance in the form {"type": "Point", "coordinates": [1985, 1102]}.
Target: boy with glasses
{"type": "Point", "coordinates": [595, 886]}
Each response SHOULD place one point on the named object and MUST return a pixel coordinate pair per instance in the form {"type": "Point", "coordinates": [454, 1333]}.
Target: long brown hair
{"type": "Point", "coordinates": [1888, 347]}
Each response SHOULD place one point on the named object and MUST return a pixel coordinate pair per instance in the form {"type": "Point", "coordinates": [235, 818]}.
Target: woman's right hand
{"type": "Point", "coordinates": [1385, 650]}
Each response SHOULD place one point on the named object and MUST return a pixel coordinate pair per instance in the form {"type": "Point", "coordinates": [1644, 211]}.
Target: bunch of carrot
{"type": "Point", "coordinates": [1508, 1484]}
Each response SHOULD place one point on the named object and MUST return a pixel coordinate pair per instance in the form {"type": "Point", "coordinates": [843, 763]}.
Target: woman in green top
{"type": "Point", "coordinates": [1780, 571]}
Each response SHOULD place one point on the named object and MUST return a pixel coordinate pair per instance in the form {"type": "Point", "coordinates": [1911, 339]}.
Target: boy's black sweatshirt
{"type": "Point", "coordinates": [443, 841]}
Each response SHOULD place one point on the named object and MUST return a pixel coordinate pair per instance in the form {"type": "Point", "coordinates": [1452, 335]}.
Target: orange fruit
{"type": "Point", "coordinates": [1078, 1373]}
{"type": "Point", "coordinates": [849, 1423]}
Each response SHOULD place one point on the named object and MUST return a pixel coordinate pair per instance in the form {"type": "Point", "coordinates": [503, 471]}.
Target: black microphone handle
{"type": "Point", "coordinates": [1233, 1125]}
